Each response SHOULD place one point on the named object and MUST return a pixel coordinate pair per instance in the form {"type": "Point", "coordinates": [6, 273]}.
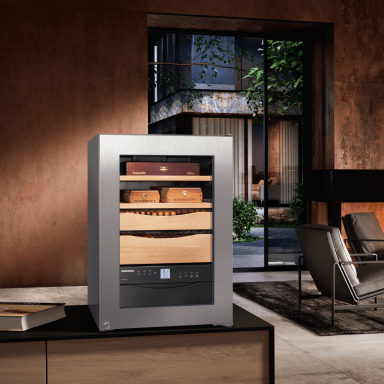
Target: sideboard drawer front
{"type": "Point", "coordinates": [187, 249]}
{"type": "Point", "coordinates": [190, 221]}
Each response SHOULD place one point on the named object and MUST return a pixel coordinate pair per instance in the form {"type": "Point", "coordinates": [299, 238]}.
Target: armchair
{"type": "Point", "coordinates": [364, 233]}
{"type": "Point", "coordinates": [333, 270]}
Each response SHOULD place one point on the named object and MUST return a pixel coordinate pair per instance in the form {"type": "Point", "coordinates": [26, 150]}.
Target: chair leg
{"type": "Point", "coordinates": [301, 258]}
{"type": "Point", "coordinates": [333, 295]}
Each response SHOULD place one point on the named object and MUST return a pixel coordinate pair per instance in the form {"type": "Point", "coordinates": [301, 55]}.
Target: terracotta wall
{"type": "Point", "coordinates": [319, 213]}
{"type": "Point", "coordinates": [66, 74]}
{"type": "Point", "coordinates": [359, 84]}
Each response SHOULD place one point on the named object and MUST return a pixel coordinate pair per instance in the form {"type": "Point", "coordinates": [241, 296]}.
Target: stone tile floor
{"type": "Point", "coordinates": [301, 356]}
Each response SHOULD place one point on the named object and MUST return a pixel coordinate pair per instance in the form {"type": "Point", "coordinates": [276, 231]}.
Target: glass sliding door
{"type": "Point", "coordinates": [215, 85]}
{"type": "Point", "coordinates": [283, 178]}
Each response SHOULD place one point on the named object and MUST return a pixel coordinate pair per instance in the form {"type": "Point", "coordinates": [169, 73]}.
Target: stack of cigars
{"type": "Point", "coordinates": [162, 195]}
{"type": "Point", "coordinates": [158, 212]}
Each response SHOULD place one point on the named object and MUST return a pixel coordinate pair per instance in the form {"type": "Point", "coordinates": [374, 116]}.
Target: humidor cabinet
{"type": "Point", "coordinates": [168, 247]}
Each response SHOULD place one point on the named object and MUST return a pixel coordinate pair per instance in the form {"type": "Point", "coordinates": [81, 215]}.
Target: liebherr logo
{"type": "Point", "coordinates": [127, 270]}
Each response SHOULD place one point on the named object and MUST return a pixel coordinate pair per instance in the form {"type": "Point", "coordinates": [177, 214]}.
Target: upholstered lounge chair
{"type": "Point", "coordinates": [364, 226]}
{"type": "Point", "coordinates": [333, 270]}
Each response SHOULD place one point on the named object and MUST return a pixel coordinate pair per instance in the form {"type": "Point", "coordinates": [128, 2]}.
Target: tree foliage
{"type": "Point", "coordinates": [285, 74]}
{"type": "Point", "coordinates": [297, 203]}
{"type": "Point", "coordinates": [285, 80]}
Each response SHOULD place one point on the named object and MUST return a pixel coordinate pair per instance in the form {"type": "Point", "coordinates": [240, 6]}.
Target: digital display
{"type": "Point", "coordinates": [165, 273]}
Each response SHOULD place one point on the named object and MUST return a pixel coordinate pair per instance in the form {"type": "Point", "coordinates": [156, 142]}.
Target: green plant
{"type": "Point", "coordinates": [297, 203]}
{"type": "Point", "coordinates": [285, 80]}
{"type": "Point", "coordinates": [249, 239]}
{"type": "Point", "coordinates": [244, 216]}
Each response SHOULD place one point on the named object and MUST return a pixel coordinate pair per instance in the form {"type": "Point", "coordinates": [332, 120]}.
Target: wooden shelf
{"type": "Point", "coordinates": [165, 206]}
{"type": "Point", "coordinates": [164, 178]}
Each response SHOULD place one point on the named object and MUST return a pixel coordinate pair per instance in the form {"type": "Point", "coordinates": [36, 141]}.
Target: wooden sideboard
{"type": "Point", "coordinates": [72, 350]}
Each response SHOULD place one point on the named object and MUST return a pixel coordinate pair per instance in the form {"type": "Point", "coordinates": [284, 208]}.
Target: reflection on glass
{"type": "Point", "coordinates": [283, 174]}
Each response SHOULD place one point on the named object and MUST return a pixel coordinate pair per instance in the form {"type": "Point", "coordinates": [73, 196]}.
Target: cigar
{"type": "Point", "coordinates": [173, 213]}
{"type": "Point", "coordinates": [148, 212]}
{"type": "Point", "coordinates": [184, 212]}
{"type": "Point", "coordinates": [154, 213]}
{"type": "Point", "coordinates": [190, 210]}
{"type": "Point", "coordinates": [142, 213]}
{"type": "Point", "coordinates": [178, 212]}
{"type": "Point", "coordinates": [161, 213]}
{"type": "Point", "coordinates": [137, 212]}
{"type": "Point", "coordinates": [166, 213]}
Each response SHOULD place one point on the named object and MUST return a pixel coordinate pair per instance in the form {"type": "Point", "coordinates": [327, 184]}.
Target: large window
{"type": "Point", "coordinates": [214, 85]}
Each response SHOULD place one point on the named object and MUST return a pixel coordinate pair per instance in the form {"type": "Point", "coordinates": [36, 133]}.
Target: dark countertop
{"type": "Point", "coordinates": [79, 324]}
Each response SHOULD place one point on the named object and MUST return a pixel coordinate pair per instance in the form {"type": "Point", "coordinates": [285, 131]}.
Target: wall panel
{"type": "Point", "coordinates": [65, 76]}
{"type": "Point", "coordinates": [359, 78]}
{"type": "Point", "coordinates": [118, 5]}
{"type": "Point", "coordinates": [359, 125]}
{"type": "Point", "coordinates": [295, 10]}
{"type": "Point", "coordinates": [359, 40]}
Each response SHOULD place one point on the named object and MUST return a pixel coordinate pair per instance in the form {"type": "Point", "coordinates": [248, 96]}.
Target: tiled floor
{"type": "Point", "coordinates": [301, 356]}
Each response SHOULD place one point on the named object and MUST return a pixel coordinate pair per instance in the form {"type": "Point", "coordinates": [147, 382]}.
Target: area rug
{"type": "Point", "coordinates": [282, 298]}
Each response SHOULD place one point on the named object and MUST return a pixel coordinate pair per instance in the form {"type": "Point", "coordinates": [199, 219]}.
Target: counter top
{"type": "Point", "coordinates": [79, 324]}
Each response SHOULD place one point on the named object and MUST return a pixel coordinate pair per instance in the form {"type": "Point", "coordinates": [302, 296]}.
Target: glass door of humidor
{"type": "Point", "coordinates": [175, 235]}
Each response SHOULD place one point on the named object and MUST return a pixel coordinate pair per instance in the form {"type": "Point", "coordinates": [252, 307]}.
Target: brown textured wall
{"type": "Point", "coordinates": [319, 213]}
{"type": "Point", "coordinates": [118, 5]}
{"type": "Point", "coordinates": [359, 90]}
{"type": "Point", "coordinates": [298, 10]}
{"type": "Point", "coordinates": [65, 76]}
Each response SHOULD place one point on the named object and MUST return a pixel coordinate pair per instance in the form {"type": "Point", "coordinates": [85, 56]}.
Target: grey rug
{"type": "Point", "coordinates": [282, 298]}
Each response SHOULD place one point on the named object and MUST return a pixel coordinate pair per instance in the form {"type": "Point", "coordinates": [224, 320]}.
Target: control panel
{"type": "Point", "coordinates": [170, 273]}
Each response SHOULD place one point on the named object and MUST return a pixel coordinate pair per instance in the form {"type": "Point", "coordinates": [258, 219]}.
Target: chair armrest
{"type": "Point", "coordinates": [363, 254]}
{"type": "Point", "coordinates": [365, 239]}
{"type": "Point", "coordinates": [359, 262]}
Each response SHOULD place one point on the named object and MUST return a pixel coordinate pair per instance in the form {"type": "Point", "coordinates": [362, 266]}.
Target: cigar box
{"type": "Point", "coordinates": [179, 195]}
{"type": "Point", "coordinates": [163, 168]}
{"type": "Point", "coordinates": [128, 196]}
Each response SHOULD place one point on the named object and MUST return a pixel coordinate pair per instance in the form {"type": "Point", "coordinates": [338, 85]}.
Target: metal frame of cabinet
{"type": "Point", "coordinates": [104, 153]}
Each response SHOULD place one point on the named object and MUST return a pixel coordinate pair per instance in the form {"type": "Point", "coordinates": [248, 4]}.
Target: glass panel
{"type": "Point", "coordinates": [285, 96]}
{"type": "Point", "coordinates": [283, 176]}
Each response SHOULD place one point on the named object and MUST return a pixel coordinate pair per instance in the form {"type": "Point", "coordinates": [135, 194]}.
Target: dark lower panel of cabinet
{"type": "Point", "coordinates": [23, 363]}
{"type": "Point", "coordinates": [174, 359]}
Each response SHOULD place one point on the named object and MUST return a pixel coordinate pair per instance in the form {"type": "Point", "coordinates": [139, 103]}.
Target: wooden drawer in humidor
{"type": "Point", "coordinates": [190, 221]}
{"type": "Point", "coordinates": [187, 249]}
